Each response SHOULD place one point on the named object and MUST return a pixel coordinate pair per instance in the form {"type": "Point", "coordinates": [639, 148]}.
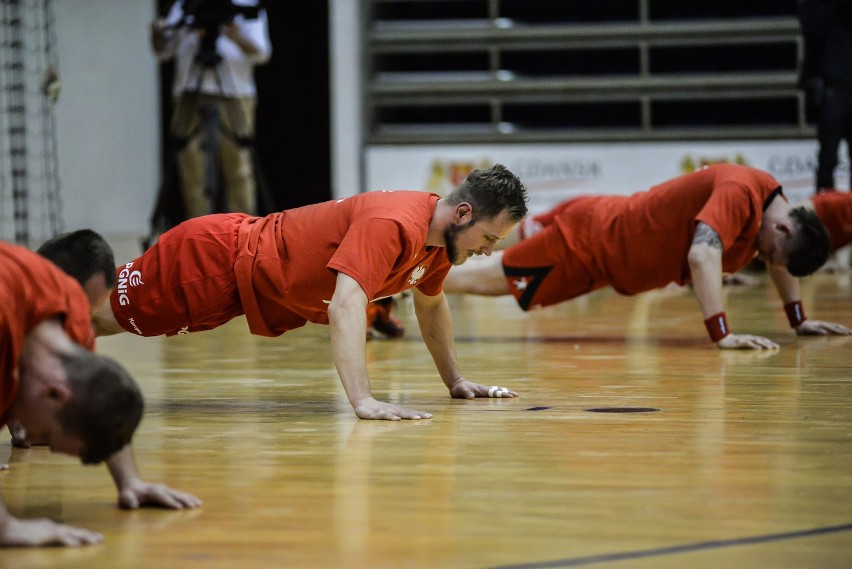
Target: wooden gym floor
{"type": "Point", "coordinates": [739, 459]}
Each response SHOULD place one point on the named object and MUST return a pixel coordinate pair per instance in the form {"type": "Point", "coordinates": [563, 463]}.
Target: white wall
{"type": "Point", "coordinates": [345, 99]}
{"type": "Point", "coordinates": [107, 116]}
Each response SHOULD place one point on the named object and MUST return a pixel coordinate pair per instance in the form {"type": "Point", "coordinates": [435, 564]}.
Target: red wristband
{"type": "Point", "coordinates": [717, 326]}
{"type": "Point", "coordinates": [795, 313]}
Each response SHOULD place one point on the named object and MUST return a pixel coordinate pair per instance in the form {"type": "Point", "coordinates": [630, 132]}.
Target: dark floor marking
{"type": "Point", "coordinates": [536, 408]}
{"type": "Point", "coordinates": [690, 547]}
{"type": "Point", "coordinates": [622, 410]}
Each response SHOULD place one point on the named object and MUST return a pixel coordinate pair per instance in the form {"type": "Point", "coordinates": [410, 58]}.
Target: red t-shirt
{"type": "Point", "coordinates": [287, 262]}
{"type": "Point", "coordinates": [31, 290]}
{"type": "Point", "coordinates": [640, 242]}
{"type": "Point", "coordinates": [835, 211]}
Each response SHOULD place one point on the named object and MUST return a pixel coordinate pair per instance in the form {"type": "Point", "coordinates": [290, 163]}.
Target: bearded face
{"type": "Point", "coordinates": [476, 237]}
{"type": "Point", "coordinates": [451, 239]}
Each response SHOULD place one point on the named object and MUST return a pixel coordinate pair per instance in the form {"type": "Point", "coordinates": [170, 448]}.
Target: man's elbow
{"type": "Point", "coordinates": [700, 255]}
{"type": "Point", "coordinates": [336, 311]}
{"type": "Point", "coordinates": [344, 309]}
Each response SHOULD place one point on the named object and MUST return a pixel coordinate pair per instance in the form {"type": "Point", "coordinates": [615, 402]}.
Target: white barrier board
{"type": "Point", "coordinates": [554, 172]}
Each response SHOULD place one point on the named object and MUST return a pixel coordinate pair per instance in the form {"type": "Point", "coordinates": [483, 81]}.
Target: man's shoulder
{"type": "Point", "coordinates": [746, 176]}
{"type": "Point", "coordinates": [19, 263]}
{"type": "Point", "coordinates": [33, 289]}
{"type": "Point", "coordinates": [43, 269]}
{"type": "Point", "coordinates": [10, 250]}
{"type": "Point", "coordinates": [396, 204]}
{"type": "Point", "coordinates": [401, 196]}
{"type": "Point", "coordinates": [406, 212]}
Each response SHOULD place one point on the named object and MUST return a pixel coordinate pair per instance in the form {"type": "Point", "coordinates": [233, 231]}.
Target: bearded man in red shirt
{"type": "Point", "coordinates": [323, 263]}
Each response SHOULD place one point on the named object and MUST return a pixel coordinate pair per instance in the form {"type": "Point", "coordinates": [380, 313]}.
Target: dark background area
{"type": "Point", "coordinates": [293, 117]}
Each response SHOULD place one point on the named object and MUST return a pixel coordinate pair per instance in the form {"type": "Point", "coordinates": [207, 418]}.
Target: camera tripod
{"type": "Point", "coordinates": [198, 115]}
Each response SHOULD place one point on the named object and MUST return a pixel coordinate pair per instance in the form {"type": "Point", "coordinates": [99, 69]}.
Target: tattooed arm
{"type": "Point", "coordinates": [705, 267]}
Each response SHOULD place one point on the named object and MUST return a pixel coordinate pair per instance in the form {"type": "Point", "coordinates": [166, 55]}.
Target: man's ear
{"type": "Point", "coordinates": [463, 213]}
{"type": "Point", "coordinates": [785, 228]}
{"type": "Point", "coordinates": [57, 393]}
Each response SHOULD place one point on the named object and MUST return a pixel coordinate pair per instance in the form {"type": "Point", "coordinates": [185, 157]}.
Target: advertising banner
{"type": "Point", "coordinates": [555, 172]}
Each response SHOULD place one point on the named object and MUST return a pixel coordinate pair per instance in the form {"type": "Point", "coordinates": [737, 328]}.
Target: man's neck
{"type": "Point", "coordinates": [441, 218]}
{"type": "Point", "coordinates": [777, 210]}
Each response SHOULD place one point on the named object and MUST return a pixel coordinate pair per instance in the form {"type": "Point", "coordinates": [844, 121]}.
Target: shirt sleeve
{"type": "Point", "coordinates": [732, 207]}
{"type": "Point", "coordinates": [257, 30]}
{"type": "Point", "coordinates": [368, 253]}
{"type": "Point", "coordinates": [172, 21]}
{"type": "Point", "coordinates": [433, 284]}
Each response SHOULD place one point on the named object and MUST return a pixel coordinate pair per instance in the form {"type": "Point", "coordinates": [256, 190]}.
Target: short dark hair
{"type": "Point", "coordinates": [810, 248]}
{"type": "Point", "coordinates": [490, 192]}
{"type": "Point", "coordinates": [81, 254]}
{"type": "Point", "coordinates": [105, 406]}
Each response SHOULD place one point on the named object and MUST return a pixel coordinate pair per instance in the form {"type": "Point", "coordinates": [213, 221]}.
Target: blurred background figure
{"type": "Point", "coordinates": [827, 79]}
{"type": "Point", "coordinates": [215, 44]}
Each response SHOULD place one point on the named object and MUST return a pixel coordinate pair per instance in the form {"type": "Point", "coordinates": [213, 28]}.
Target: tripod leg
{"type": "Point", "coordinates": [211, 145]}
{"type": "Point", "coordinates": [236, 153]}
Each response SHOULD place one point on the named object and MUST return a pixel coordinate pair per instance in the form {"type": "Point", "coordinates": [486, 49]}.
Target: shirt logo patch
{"type": "Point", "coordinates": [127, 278]}
{"type": "Point", "coordinates": [416, 274]}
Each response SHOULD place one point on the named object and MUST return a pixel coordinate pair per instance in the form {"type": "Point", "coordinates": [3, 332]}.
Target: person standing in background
{"type": "Point", "coordinates": [827, 78]}
{"type": "Point", "coordinates": [216, 46]}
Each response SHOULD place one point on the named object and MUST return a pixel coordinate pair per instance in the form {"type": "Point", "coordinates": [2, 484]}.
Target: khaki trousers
{"type": "Point", "coordinates": [236, 121]}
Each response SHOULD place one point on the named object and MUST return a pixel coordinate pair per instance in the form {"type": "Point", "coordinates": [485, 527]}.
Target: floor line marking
{"type": "Point", "coordinates": [701, 546]}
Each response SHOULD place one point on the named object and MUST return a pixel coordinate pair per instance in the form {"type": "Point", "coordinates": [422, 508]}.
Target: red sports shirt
{"type": "Point", "coordinates": [640, 242]}
{"type": "Point", "coordinates": [287, 262]}
{"type": "Point", "coordinates": [835, 211]}
{"type": "Point", "coordinates": [33, 289]}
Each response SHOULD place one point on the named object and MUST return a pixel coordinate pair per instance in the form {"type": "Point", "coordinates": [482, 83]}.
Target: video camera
{"type": "Point", "coordinates": [210, 15]}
